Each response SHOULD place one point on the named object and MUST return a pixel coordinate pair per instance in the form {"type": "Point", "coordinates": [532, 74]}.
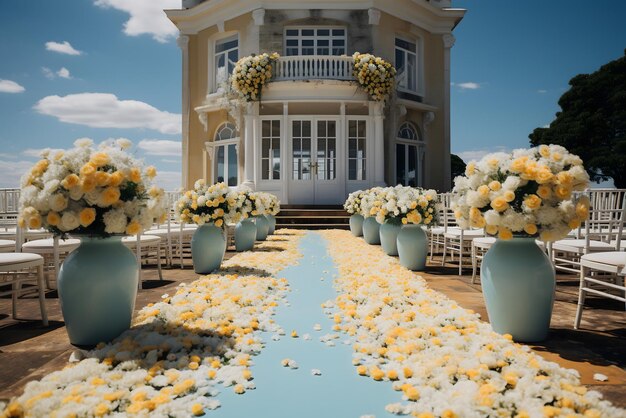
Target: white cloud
{"type": "Point", "coordinates": [169, 180]}
{"type": "Point", "coordinates": [470, 85]}
{"type": "Point", "coordinates": [36, 152]}
{"type": "Point", "coordinates": [162, 147]}
{"type": "Point", "coordinates": [62, 48]}
{"type": "Point", "coordinates": [12, 171]}
{"type": "Point", "coordinates": [104, 110]}
{"type": "Point", "coordinates": [542, 91]}
{"type": "Point", "coordinates": [64, 73]}
{"type": "Point", "coordinates": [8, 86]}
{"type": "Point", "coordinates": [146, 17]}
{"type": "Point", "coordinates": [475, 155]}
{"type": "Point", "coordinates": [170, 160]}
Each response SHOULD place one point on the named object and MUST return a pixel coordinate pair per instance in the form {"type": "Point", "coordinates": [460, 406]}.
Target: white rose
{"type": "Point", "coordinates": [115, 221]}
{"type": "Point", "coordinates": [69, 221]}
{"type": "Point", "coordinates": [57, 202]}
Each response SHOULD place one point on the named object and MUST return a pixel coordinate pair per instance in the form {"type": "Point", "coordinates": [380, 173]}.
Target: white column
{"type": "Point", "coordinates": [183, 44]}
{"type": "Point", "coordinates": [285, 147]}
{"type": "Point", "coordinates": [249, 118]}
{"type": "Point", "coordinates": [448, 42]}
{"type": "Point", "coordinates": [376, 108]}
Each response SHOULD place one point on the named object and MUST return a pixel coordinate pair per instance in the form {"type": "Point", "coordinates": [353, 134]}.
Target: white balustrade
{"type": "Point", "coordinates": [314, 67]}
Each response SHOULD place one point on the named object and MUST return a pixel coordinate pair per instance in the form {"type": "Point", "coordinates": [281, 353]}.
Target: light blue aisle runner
{"type": "Point", "coordinates": [281, 392]}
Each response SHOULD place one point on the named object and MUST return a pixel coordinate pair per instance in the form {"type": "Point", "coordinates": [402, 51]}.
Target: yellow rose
{"type": "Point", "coordinates": [151, 172]}
{"type": "Point", "coordinates": [195, 219]}
{"type": "Point", "coordinates": [518, 165]}
{"type": "Point", "coordinates": [544, 151]}
{"type": "Point", "coordinates": [87, 216]}
{"type": "Point", "coordinates": [564, 178]}
{"type": "Point", "coordinates": [495, 185]}
{"type": "Point", "coordinates": [88, 184]}
{"type": "Point", "coordinates": [133, 228]}
{"type": "Point", "coordinates": [504, 233]}
{"type": "Point", "coordinates": [102, 178]}
{"type": "Point", "coordinates": [509, 196]}
{"type": "Point", "coordinates": [478, 222]}
{"type": "Point", "coordinates": [483, 190]}
{"type": "Point", "coordinates": [574, 223]}
{"type": "Point", "coordinates": [530, 171]}
{"type": "Point", "coordinates": [53, 219]}
{"type": "Point", "coordinates": [135, 175]}
{"type": "Point", "coordinates": [88, 169]}
{"type": "Point", "coordinates": [116, 179]}
{"type": "Point", "coordinates": [100, 159]}
{"type": "Point", "coordinates": [563, 192]}
{"type": "Point", "coordinates": [582, 208]}
{"type": "Point", "coordinates": [491, 229]}
{"type": "Point", "coordinates": [458, 214]}
{"type": "Point", "coordinates": [556, 156]}
{"type": "Point", "coordinates": [530, 229]}
{"type": "Point", "coordinates": [405, 221]}
{"type": "Point", "coordinates": [219, 223]}
{"type": "Point", "coordinates": [34, 222]}
{"type": "Point", "coordinates": [109, 196]}
{"type": "Point", "coordinates": [544, 192]}
{"type": "Point", "coordinates": [499, 204]}
{"type": "Point", "coordinates": [544, 175]}
{"type": "Point", "coordinates": [70, 181]}
{"type": "Point", "coordinates": [475, 213]}
{"type": "Point", "coordinates": [532, 201]}
{"type": "Point", "coordinates": [470, 169]}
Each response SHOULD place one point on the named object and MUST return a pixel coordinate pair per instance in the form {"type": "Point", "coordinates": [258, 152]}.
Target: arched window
{"type": "Point", "coordinates": [225, 152]}
{"type": "Point", "coordinates": [410, 156]}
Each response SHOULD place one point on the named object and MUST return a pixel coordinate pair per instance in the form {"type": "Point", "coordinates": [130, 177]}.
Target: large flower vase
{"type": "Point", "coordinates": [245, 235]}
{"type": "Point", "coordinates": [208, 246]}
{"type": "Point", "coordinates": [412, 247]}
{"type": "Point", "coordinates": [272, 224]}
{"type": "Point", "coordinates": [262, 227]}
{"type": "Point", "coordinates": [389, 236]}
{"type": "Point", "coordinates": [371, 231]}
{"type": "Point", "coordinates": [97, 288]}
{"type": "Point", "coordinates": [356, 225]}
{"type": "Point", "coordinates": [518, 282]}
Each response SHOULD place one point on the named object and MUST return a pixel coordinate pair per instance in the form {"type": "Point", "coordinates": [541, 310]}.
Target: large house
{"type": "Point", "coordinates": [316, 135]}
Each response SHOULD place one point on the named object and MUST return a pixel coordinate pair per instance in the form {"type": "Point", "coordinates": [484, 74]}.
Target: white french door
{"type": "Point", "coordinates": [317, 162]}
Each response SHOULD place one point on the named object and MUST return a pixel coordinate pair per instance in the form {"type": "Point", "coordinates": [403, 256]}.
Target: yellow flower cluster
{"type": "Point", "coordinates": [90, 191]}
{"type": "Point", "coordinates": [440, 357]}
{"type": "Point", "coordinates": [375, 75]}
{"type": "Point", "coordinates": [178, 350]}
{"type": "Point", "coordinates": [529, 192]}
{"type": "Point", "coordinates": [252, 73]}
{"type": "Point", "coordinates": [205, 204]}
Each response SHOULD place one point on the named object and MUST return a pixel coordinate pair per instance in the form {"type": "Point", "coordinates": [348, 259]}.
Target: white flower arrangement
{"type": "Point", "coordinates": [353, 202]}
{"type": "Point", "coordinates": [442, 360]}
{"type": "Point", "coordinates": [251, 73]}
{"type": "Point", "coordinates": [528, 192]}
{"type": "Point", "coordinates": [263, 203]}
{"type": "Point", "coordinates": [98, 192]}
{"type": "Point", "coordinates": [375, 75]}
{"type": "Point", "coordinates": [215, 204]}
{"type": "Point", "coordinates": [180, 351]}
{"type": "Point", "coordinates": [402, 204]}
{"type": "Point", "coordinates": [272, 205]}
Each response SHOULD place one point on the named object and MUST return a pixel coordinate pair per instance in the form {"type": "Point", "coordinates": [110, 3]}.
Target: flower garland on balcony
{"type": "Point", "coordinates": [251, 73]}
{"type": "Point", "coordinates": [375, 75]}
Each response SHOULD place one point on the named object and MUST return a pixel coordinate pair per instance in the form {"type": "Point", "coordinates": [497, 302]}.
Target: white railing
{"type": "Point", "coordinates": [314, 67]}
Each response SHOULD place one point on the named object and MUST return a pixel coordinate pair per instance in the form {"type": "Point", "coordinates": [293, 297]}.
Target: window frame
{"type": "Point", "coordinates": [418, 63]}
{"type": "Point", "coordinates": [420, 154]}
{"type": "Point", "coordinates": [272, 138]}
{"type": "Point", "coordinates": [225, 143]}
{"type": "Point", "coordinates": [315, 38]}
{"type": "Point", "coordinates": [364, 138]}
{"type": "Point", "coordinates": [213, 56]}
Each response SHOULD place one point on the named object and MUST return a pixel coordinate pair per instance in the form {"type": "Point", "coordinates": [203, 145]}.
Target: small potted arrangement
{"type": "Point", "coordinates": [261, 203]}
{"type": "Point", "coordinates": [371, 201]}
{"type": "Point", "coordinates": [245, 229]}
{"type": "Point", "coordinates": [526, 195]}
{"type": "Point", "coordinates": [353, 207]}
{"type": "Point", "coordinates": [208, 207]}
{"type": "Point", "coordinates": [273, 208]}
{"type": "Point", "coordinates": [98, 195]}
{"type": "Point", "coordinates": [421, 211]}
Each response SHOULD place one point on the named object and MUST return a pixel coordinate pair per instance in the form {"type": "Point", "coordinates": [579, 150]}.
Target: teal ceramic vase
{"type": "Point", "coordinates": [356, 225]}
{"type": "Point", "coordinates": [371, 231]}
{"type": "Point", "coordinates": [389, 236]}
{"type": "Point", "coordinates": [208, 246]}
{"type": "Point", "coordinates": [272, 222]}
{"type": "Point", "coordinates": [518, 283]}
{"type": "Point", "coordinates": [245, 235]}
{"type": "Point", "coordinates": [412, 247]}
{"type": "Point", "coordinates": [262, 227]}
{"type": "Point", "coordinates": [97, 287]}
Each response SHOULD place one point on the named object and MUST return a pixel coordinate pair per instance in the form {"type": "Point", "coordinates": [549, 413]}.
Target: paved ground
{"type": "Point", "coordinates": [29, 351]}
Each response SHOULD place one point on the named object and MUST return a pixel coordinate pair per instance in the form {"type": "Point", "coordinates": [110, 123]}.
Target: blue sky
{"type": "Point", "coordinates": [510, 64]}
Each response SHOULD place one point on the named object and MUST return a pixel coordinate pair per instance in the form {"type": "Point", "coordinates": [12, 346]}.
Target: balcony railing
{"type": "Point", "coordinates": [314, 67]}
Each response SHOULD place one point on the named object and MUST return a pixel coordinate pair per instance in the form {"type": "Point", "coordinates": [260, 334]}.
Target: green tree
{"type": "Point", "coordinates": [592, 122]}
{"type": "Point", "coordinates": [457, 165]}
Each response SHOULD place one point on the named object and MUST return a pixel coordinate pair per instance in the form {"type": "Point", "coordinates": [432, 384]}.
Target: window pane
{"type": "Point", "coordinates": [338, 42]}
{"type": "Point", "coordinates": [352, 170]}
{"type": "Point", "coordinates": [306, 129]}
{"type": "Point", "coordinates": [323, 51]}
{"type": "Point", "coordinates": [307, 42]}
{"type": "Point", "coordinates": [265, 148]}
{"type": "Point", "coordinates": [292, 42]}
{"type": "Point", "coordinates": [219, 175]}
{"type": "Point", "coordinates": [265, 128]}
{"type": "Point", "coordinates": [361, 148]}
{"type": "Point", "coordinates": [276, 164]}
{"type": "Point", "coordinates": [412, 169]}
{"type": "Point", "coordinates": [410, 46]}
{"type": "Point", "coordinates": [232, 165]}
{"type": "Point", "coordinates": [352, 131]}
{"type": "Point", "coordinates": [292, 51]}
{"type": "Point", "coordinates": [323, 42]}
{"type": "Point", "coordinates": [339, 32]}
{"type": "Point", "coordinates": [308, 32]}
{"type": "Point", "coordinates": [339, 51]}
{"type": "Point", "coordinates": [308, 51]}
{"type": "Point", "coordinates": [352, 148]}
{"type": "Point", "coordinates": [400, 68]}
{"type": "Point", "coordinates": [331, 129]}
{"type": "Point", "coordinates": [411, 72]}
{"type": "Point", "coordinates": [292, 32]}
{"type": "Point", "coordinates": [400, 163]}
{"type": "Point", "coordinates": [323, 32]}
{"type": "Point", "coordinates": [265, 169]}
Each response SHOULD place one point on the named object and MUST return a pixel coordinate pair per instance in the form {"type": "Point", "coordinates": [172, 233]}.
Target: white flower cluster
{"type": "Point", "coordinates": [91, 191]}
{"type": "Point", "coordinates": [442, 359]}
{"type": "Point", "coordinates": [404, 204]}
{"type": "Point", "coordinates": [251, 73]}
{"type": "Point", "coordinates": [215, 204]}
{"type": "Point", "coordinates": [529, 191]}
{"type": "Point", "coordinates": [375, 75]}
{"type": "Point", "coordinates": [180, 350]}
{"type": "Point", "coordinates": [263, 203]}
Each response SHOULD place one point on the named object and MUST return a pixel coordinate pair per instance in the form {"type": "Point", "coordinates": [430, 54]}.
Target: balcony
{"type": "Point", "coordinates": [314, 67]}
